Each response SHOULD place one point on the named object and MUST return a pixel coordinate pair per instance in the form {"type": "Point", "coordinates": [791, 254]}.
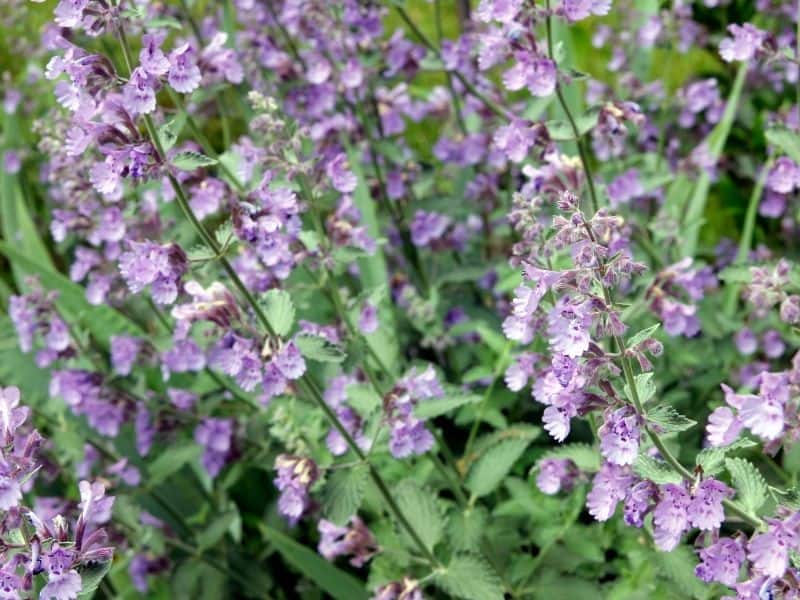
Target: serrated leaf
{"type": "Point", "coordinates": [562, 130]}
{"type": "Point", "coordinates": [343, 494]}
{"type": "Point", "coordinates": [200, 253]}
{"type": "Point", "coordinates": [749, 483]}
{"type": "Point", "coordinates": [434, 407]}
{"type": "Point", "coordinates": [678, 566]}
{"type": "Point", "coordinates": [643, 335]}
{"type": "Point", "coordinates": [279, 310]}
{"type": "Point", "coordinates": [786, 140]}
{"type": "Point", "coordinates": [422, 512]}
{"type": "Point", "coordinates": [645, 388]}
{"type": "Point", "coordinates": [91, 576]}
{"type": "Point", "coordinates": [168, 133]}
{"type": "Point", "coordinates": [224, 234]}
{"type": "Point", "coordinates": [190, 160]}
{"type": "Point", "coordinates": [669, 420]}
{"type": "Point", "coordinates": [656, 471]}
{"type": "Point", "coordinates": [465, 529]}
{"type": "Point", "coordinates": [789, 498]}
{"type": "Point", "coordinates": [164, 22]}
{"type": "Point", "coordinates": [491, 468]}
{"type": "Point", "coordinates": [470, 577]}
{"type": "Point", "coordinates": [585, 457]}
{"type": "Point", "coordinates": [711, 460]}
{"type": "Point", "coordinates": [320, 349]}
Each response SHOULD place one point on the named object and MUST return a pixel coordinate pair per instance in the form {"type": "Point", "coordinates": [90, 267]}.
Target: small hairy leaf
{"type": "Point", "coordinates": [659, 472]}
{"type": "Point", "coordinates": [643, 335]}
{"type": "Point", "coordinates": [750, 485]}
{"type": "Point", "coordinates": [668, 419]}
{"type": "Point", "coordinates": [189, 161]}
{"type": "Point", "coordinates": [317, 348]}
{"type": "Point", "coordinates": [645, 388]}
{"type": "Point", "coordinates": [279, 309]}
{"type": "Point", "coordinates": [585, 457]}
{"type": "Point", "coordinates": [465, 529]}
{"type": "Point", "coordinates": [711, 460]}
{"type": "Point", "coordinates": [434, 407]}
{"type": "Point", "coordinates": [492, 467]}
{"type": "Point", "coordinates": [470, 576]}
{"type": "Point", "coordinates": [423, 513]}
{"type": "Point", "coordinates": [91, 576]}
{"type": "Point", "coordinates": [786, 140]}
{"type": "Point", "coordinates": [678, 566]}
{"type": "Point", "coordinates": [343, 494]}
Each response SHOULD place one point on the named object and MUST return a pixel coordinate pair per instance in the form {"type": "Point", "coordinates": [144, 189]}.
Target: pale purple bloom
{"type": "Point", "coordinates": [184, 74]}
{"type": "Point", "coordinates": [575, 10]}
{"type": "Point", "coordinates": [723, 427]}
{"type": "Point", "coordinates": [124, 351]}
{"type": "Point", "coordinates": [568, 328]}
{"type": "Point", "coordinates": [515, 139]}
{"type": "Point", "coordinates": [773, 344]}
{"type": "Point", "coordinates": [427, 227]}
{"type": "Point", "coordinates": [784, 176]}
{"type": "Point", "coordinates": [705, 509]}
{"type": "Point", "coordinates": [295, 476]}
{"type": "Point", "coordinates": [769, 552]}
{"type": "Point", "coordinates": [539, 75]}
{"type": "Point", "coordinates": [721, 561]}
{"type": "Point", "coordinates": [625, 188]}
{"type": "Point", "coordinates": [503, 11]}
{"type": "Point", "coordinates": [63, 581]}
{"type": "Point", "coordinates": [342, 178]}
{"type": "Point", "coordinates": [555, 474]}
{"type": "Point", "coordinates": [160, 267]}
{"type": "Point", "coordinates": [609, 487]}
{"type": "Point", "coordinates": [290, 362]}
{"type": "Point", "coordinates": [139, 95]}
{"type": "Point", "coordinates": [746, 341]}
{"type": "Point", "coordinates": [744, 44]}
{"type": "Point", "coordinates": [368, 318]}
{"type": "Point", "coordinates": [216, 437]}
{"type": "Point", "coordinates": [355, 541]}
{"type": "Point", "coordinates": [619, 436]}
{"type": "Point", "coordinates": [638, 502]}
{"type": "Point", "coordinates": [151, 58]}
{"type": "Point", "coordinates": [670, 516]}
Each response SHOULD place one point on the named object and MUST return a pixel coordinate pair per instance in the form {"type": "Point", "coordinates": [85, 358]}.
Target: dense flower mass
{"type": "Point", "coordinates": [482, 300]}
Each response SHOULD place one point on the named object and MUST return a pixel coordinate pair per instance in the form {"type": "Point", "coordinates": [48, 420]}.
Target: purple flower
{"type": "Point", "coordinates": [670, 517]}
{"type": "Point", "coordinates": [784, 176]}
{"type": "Point", "coordinates": [151, 57]}
{"type": "Point", "coordinates": [355, 541]}
{"type": "Point", "coordinates": [515, 139]}
{"type": "Point", "coordinates": [723, 427]}
{"type": "Point", "coordinates": [555, 474]}
{"type": "Point", "coordinates": [539, 75]}
{"type": "Point", "coordinates": [773, 344]}
{"type": "Point", "coordinates": [609, 487]}
{"type": "Point", "coordinates": [428, 227]}
{"type": "Point", "coordinates": [342, 178]}
{"type": "Point", "coordinates": [295, 476]}
{"type": "Point", "coordinates": [705, 509]}
{"type": "Point", "coordinates": [625, 188]}
{"type": "Point", "coordinates": [63, 581]}
{"type": "Point", "coordinates": [575, 10]}
{"type": "Point", "coordinates": [184, 74]}
{"type": "Point", "coordinates": [638, 502]}
{"type": "Point", "coordinates": [769, 552]}
{"type": "Point", "coordinates": [139, 95]}
{"type": "Point", "coordinates": [290, 361]}
{"type": "Point", "coordinates": [216, 437]}
{"type": "Point", "coordinates": [502, 11]}
{"type": "Point", "coordinates": [744, 44]}
{"type": "Point", "coordinates": [368, 318]}
{"type": "Point", "coordinates": [568, 328]}
{"type": "Point", "coordinates": [160, 267]}
{"type": "Point", "coordinates": [124, 351]}
{"type": "Point", "coordinates": [746, 341]}
{"type": "Point", "coordinates": [721, 561]}
{"type": "Point", "coordinates": [619, 436]}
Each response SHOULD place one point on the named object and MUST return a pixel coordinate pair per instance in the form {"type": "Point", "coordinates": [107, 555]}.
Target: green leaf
{"type": "Point", "coordinates": [492, 467]}
{"type": "Point", "coordinates": [668, 419]}
{"type": "Point", "coordinates": [750, 485]}
{"type": "Point", "coordinates": [279, 309]}
{"type": "Point", "coordinates": [91, 576]}
{"type": "Point", "coordinates": [216, 530]}
{"type": "Point", "coordinates": [421, 510]}
{"type": "Point", "coordinates": [168, 133]}
{"type": "Point", "coordinates": [334, 581]}
{"type": "Point", "coordinates": [561, 131]}
{"type": "Point", "coordinates": [189, 161]}
{"type": "Point", "coordinates": [434, 407]}
{"type": "Point", "coordinates": [585, 457]}
{"type": "Point", "coordinates": [643, 335]}
{"type": "Point", "coordinates": [171, 462]}
{"type": "Point", "coordinates": [645, 388]}
{"type": "Point", "coordinates": [465, 529]}
{"type": "Point", "coordinates": [344, 492]}
{"type": "Point", "coordinates": [164, 22]}
{"type": "Point", "coordinates": [470, 576]}
{"type": "Point", "coordinates": [656, 471]}
{"type": "Point", "coordinates": [711, 460]}
{"type": "Point", "coordinates": [678, 566]}
{"type": "Point", "coordinates": [785, 139]}
{"type": "Point", "coordinates": [320, 349]}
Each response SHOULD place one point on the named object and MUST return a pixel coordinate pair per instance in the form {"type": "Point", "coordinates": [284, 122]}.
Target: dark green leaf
{"type": "Point", "coordinates": [344, 492]}
{"type": "Point", "coordinates": [189, 161]}
{"type": "Point", "coordinates": [320, 349]}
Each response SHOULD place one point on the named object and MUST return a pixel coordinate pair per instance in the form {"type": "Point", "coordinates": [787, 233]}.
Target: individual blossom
{"type": "Point", "coordinates": [63, 581]}
{"type": "Point", "coordinates": [745, 42]}
{"type": "Point", "coordinates": [139, 95]}
{"type": "Point", "coordinates": [705, 509]}
{"type": "Point", "coordinates": [609, 488]}
{"type": "Point", "coordinates": [354, 540]}
{"type": "Point", "coordinates": [619, 436]}
{"type": "Point", "coordinates": [670, 516]}
{"type": "Point", "coordinates": [502, 11]}
{"type": "Point", "coordinates": [555, 475]}
{"type": "Point", "coordinates": [216, 437]}
{"type": "Point", "coordinates": [784, 176]}
{"type": "Point", "coordinates": [769, 551]}
{"type": "Point", "coordinates": [639, 502]}
{"type": "Point", "coordinates": [124, 351]}
{"type": "Point", "coordinates": [295, 477]}
{"type": "Point", "coordinates": [721, 561]}
{"type": "Point", "coordinates": [184, 75]}
{"type": "Point", "coordinates": [576, 10]}
{"type": "Point", "coordinates": [158, 266]}
{"type": "Point", "coordinates": [537, 74]}
{"type": "Point", "coordinates": [368, 318]}
{"type": "Point", "coordinates": [342, 178]}
{"type": "Point", "coordinates": [624, 188]}
{"type": "Point", "coordinates": [407, 589]}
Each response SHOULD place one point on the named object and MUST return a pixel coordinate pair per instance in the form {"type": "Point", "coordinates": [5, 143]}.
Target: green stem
{"type": "Point", "coordinates": [496, 376]}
